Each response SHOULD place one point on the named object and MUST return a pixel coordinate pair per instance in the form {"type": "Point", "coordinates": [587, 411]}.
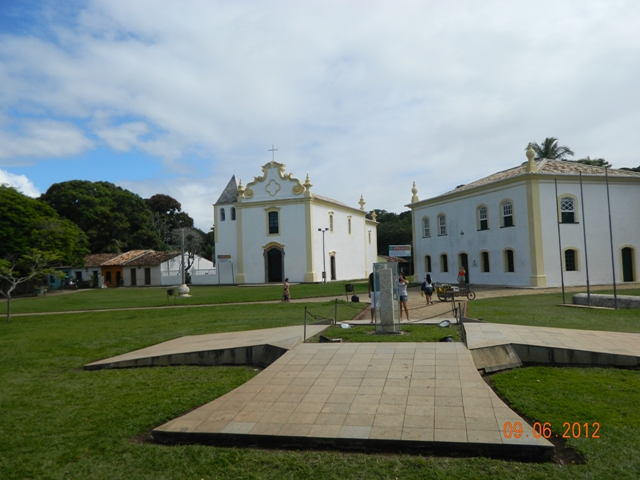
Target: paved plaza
{"type": "Point", "coordinates": [423, 397]}
{"type": "Point", "coordinates": [378, 396]}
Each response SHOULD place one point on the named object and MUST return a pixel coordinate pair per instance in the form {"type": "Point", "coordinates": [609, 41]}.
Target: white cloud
{"type": "Point", "coordinates": [41, 138]}
{"type": "Point", "coordinates": [366, 97]}
{"type": "Point", "coordinates": [21, 182]}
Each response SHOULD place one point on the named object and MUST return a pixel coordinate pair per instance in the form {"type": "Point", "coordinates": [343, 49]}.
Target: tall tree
{"type": "Point", "coordinates": [113, 218]}
{"type": "Point", "coordinates": [27, 223]}
{"type": "Point", "coordinates": [167, 216]}
{"type": "Point", "coordinates": [33, 238]}
{"type": "Point", "coordinates": [550, 149]}
{"type": "Point", "coordinates": [393, 229]}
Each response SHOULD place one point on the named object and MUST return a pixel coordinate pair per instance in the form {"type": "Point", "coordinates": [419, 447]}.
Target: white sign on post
{"type": "Point", "coordinates": [224, 258]}
{"type": "Point", "coordinates": [399, 250]}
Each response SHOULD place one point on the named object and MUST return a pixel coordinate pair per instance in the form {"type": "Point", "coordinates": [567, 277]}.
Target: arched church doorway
{"type": "Point", "coordinates": [628, 275]}
{"type": "Point", "coordinates": [274, 264]}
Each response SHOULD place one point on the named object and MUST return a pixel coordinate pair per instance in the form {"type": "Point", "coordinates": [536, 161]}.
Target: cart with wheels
{"type": "Point", "coordinates": [446, 293]}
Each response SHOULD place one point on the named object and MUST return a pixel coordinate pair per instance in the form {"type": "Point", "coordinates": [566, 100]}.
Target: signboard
{"type": "Point", "coordinates": [399, 250]}
{"type": "Point", "coordinates": [224, 258]}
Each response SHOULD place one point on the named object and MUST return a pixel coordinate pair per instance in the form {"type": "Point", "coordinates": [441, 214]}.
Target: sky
{"type": "Point", "coordinates": [366, 97]}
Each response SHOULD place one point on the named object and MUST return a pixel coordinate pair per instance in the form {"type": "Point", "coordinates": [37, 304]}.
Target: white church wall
{"type": "Point", "coordinates": [291, 235]}
{"type": "Point", "coordinates": [272, 187]}
{"type": "Point", "coordinates": [350, 248]}
{"type": "Point", "coordinates": [226, 243]}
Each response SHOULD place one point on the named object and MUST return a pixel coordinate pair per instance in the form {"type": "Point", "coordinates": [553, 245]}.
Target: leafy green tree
{"type": "Point", "coordinates": [631, 169]}
{"type": "Point", "coordinates": [27, 223]}
{"type": "Point", "coordinates": [393, 229]}
{"type": "Point", "coordinates": [113, 218]}
{"type": "Point", "coordinates": [33, 239]}
{"type": "Point", "coordinates": [596, 162]}
{"type": "Point", "coordinates": [167, 216]}
{"type": "Point", "coordinates": [550, 149]}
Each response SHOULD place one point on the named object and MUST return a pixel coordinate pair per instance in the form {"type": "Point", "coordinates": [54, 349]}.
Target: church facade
{"type": "Point", "coordinates": [538, 224]}
{"type": "Point", "coordinates": [275, 228]}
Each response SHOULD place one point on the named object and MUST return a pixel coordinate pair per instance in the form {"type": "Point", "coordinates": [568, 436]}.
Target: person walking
{"type": "Point", "coordinates": [404, 296]}
{"type": "Point", "coordinates": [427, 288]}
{"type": "Point", "coordinates": [286, 296]}
{"type": "Point", "coordinates": [375, 298]}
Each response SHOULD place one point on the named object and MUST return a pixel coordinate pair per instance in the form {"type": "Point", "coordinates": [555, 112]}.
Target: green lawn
{"type": "Point", "coordinates": [96, 299]}
{"type": "Point", "coordinates": [545, 311]}
{"type": "Point", "coordinates": [409, 333]}
{"type": "Point", "coordinates": [58, 421]}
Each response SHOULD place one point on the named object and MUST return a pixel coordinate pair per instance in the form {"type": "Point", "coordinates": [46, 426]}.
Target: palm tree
{"type": "Point", "coordinates": [550, 149]}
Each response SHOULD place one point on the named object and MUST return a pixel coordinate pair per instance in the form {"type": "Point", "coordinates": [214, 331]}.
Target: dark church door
{"type": "Point", "coordinates": [274, 265]}
{"type": "Point", "coordinates": [333, 267]}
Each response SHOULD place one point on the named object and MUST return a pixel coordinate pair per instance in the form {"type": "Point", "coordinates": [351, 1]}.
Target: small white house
{"type": "Point", "coordinates": [276, 228]}
{"type": "Point", "coordinates": [532, 225]}
{"type": "Point", "coordinates": [146, 268]}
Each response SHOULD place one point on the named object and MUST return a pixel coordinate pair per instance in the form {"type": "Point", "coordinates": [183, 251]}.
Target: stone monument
{"type": "Point", "coordinates": [385, 287]}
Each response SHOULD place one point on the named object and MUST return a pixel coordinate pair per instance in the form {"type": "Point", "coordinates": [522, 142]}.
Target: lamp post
{"type": "Point", "coordinates": [324, 261]}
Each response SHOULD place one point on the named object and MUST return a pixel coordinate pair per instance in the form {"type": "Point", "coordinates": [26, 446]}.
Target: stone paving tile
{"type": "Point", "coordinates": [362, 391]}
{"type": "Point", "coordinates": [490, 334]}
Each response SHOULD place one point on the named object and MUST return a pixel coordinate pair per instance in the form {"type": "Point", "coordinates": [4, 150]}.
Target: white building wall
{"type": "Point", "coordinates": [461, 217]}
{"type": "Point", "coordinates": [625, 199]}
{"type": "Point", "coordinates": [371, 246]}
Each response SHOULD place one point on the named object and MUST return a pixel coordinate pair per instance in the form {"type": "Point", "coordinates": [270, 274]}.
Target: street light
{"type": "Point", "coordinates": [324, 261]}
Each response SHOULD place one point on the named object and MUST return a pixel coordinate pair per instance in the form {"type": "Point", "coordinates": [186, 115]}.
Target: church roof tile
{"type": "Point", "coordinates": [230, 192]}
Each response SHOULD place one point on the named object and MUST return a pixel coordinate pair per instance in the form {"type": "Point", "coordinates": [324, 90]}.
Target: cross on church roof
{"type": "Point", "coordinates": [273, 153]}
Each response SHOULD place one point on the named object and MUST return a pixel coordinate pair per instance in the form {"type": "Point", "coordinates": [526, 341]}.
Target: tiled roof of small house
{"type": "Point", "coordinates": [230, 192]}
{"type": "Point", "coordinates": [123, 258]}
{"type": "Point", "coordinates": [151, 258]}
{"type": "Point", "coordinates": [546, 167]}
{"type": "Point", "coordinates": [97, 259]}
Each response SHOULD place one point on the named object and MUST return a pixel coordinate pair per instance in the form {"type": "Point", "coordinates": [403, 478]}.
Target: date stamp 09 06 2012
{"type": "Point", "coordinates": [571, 430]}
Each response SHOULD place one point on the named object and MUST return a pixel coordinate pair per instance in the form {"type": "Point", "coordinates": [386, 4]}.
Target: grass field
{"type": "Point", "coordinates": [58, 421]}
{"type": "Point", "coordinates": [97, 299]}
{"type": "Point", "coordinates": [409, 333]}
{"type": "Point", "coordinates": [546, 311]}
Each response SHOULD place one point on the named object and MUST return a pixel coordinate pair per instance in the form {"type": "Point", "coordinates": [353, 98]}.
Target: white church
{"type": "Point", "coordinates": [528, 226]}
{"type": "Point", "coordinates": [276, 228]}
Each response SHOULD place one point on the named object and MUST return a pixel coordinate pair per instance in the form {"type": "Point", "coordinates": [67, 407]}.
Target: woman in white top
{"type": "Point", "coordinates": [404, 297]}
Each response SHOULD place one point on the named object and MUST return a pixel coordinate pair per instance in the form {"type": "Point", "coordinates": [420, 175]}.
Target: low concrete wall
{"type": "Point", "coordinates": [260, 355]}
{"type": "Point", "coordinates": [565, 357]}
{"type": "Point", "coordinates": [599, 300]}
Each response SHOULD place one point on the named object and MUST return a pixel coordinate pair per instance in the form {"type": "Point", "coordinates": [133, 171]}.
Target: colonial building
{"type": "Point", "coordinates": [532, 225]}
{"type": "Point", "coordinates": [276, 228]}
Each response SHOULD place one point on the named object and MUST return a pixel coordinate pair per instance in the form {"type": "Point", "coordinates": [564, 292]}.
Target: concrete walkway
{"type": "Point", "coordinates": [557, 346]}
{"type": "Point", "coordinates": [423, 397]}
